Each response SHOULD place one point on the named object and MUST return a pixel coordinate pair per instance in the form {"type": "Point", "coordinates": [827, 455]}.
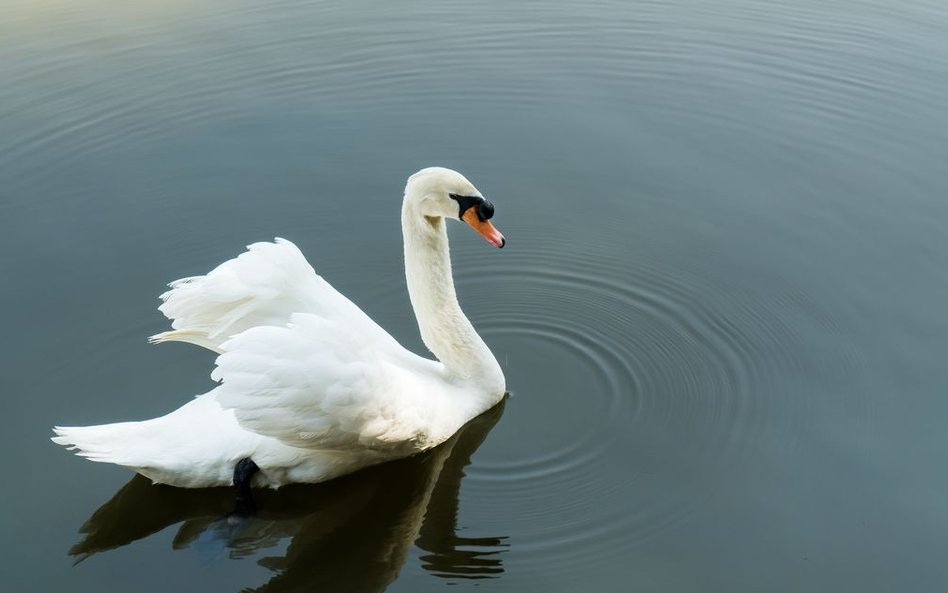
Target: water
{"type": "Point", "coordinates": [720, 312]}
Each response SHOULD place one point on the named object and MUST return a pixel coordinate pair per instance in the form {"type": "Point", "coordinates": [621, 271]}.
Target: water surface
{"type": "Point", "coordinates": [720, 312]}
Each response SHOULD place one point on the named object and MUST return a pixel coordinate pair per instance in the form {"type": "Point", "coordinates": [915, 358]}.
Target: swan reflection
{"type": "Point", "coordinates": [350, 534]}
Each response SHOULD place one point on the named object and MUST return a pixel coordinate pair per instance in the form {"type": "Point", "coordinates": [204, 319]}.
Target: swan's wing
{"type": "Point", "coordinates": [264, 285]}
{"type": "Point", "coordinates": [314, 383]}
{"type": "Point", "coordinates": [299, 361]}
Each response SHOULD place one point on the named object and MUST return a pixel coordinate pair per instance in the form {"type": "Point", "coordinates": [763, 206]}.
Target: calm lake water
{"type": "Point", "coordinates": [721, 313]}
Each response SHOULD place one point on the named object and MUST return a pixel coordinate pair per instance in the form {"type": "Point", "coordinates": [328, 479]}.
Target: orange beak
{"type": "Point", "coordinates": [484, 228]}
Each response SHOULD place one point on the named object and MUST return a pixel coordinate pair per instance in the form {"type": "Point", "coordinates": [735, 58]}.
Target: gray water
{"type": "Point", "coordinates": [721, 311]}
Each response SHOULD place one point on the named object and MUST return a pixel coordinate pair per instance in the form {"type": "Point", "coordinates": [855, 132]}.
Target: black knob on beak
{"type": "Point", "coordinates": [485, 210]}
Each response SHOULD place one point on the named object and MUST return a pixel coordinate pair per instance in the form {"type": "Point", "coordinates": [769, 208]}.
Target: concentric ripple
{"type": "Point", "coordinates": [650, 380]}
{"type": "Point", "coordinates": [716, 215]}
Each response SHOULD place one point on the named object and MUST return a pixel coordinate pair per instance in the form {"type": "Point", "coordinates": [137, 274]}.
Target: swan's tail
{"type": "Point", "coordinates": [106, 443]}
{"type": "Point", "coordinates": [195, 446]}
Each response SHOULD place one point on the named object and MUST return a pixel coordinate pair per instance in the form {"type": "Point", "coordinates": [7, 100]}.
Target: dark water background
{"type": "Point", "coordinates": [721, 313]}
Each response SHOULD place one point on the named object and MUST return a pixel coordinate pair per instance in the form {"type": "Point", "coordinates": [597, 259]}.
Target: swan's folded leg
{"type": "Point", "coordinates": [243, 474]}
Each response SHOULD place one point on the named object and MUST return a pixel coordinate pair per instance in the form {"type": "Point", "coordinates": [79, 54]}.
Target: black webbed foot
{"type": "Point", "coordinates": [243, 474]}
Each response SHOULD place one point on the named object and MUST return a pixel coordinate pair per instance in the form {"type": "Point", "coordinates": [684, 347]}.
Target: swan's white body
{"type": "Point", "coordinates": [311, 388]}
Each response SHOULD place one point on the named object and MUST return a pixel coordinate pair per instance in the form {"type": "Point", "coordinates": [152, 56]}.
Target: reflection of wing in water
{"type": "Point", "coordinates": [350, 534]}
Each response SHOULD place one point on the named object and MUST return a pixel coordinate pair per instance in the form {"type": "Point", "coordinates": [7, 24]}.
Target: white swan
{"type": "Point", "coordinates": [312, 388]}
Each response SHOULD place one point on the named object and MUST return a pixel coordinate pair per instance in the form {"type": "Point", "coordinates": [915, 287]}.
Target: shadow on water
{"type": "Point", "coordinates": [350, 534]}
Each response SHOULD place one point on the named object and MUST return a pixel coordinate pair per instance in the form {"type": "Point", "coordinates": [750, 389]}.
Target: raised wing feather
{"type": "Point", "coordinates": [263, 286]}
{"type": "Point", "coordinates": [315, 384]}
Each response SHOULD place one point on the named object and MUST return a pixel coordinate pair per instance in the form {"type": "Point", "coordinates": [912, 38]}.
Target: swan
{"type": "Point", "coordinates": [309, 387]}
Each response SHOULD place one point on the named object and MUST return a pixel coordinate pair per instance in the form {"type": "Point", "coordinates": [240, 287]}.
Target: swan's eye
{"type": "Point", "coordinates": [485, 210]}
{"type": "Point", "coordinates": [465, 202]}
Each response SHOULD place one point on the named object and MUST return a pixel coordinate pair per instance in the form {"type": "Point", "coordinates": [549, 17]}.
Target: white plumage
{"type": "Point", "coordinates": [310, 387]}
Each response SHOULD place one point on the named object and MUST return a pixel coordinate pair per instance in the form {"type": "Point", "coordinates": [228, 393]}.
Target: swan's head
{"type": "Point", "coordinates": [437, 192]}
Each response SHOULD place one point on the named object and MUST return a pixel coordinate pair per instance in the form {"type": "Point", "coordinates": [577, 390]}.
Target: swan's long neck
{"type": "Point", "coordinates": [444, 328]}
